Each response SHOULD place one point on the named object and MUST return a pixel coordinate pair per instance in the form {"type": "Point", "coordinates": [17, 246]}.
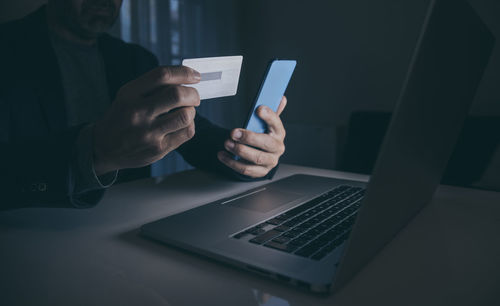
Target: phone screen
{"type": "Point", "coordinates": [271, 91]}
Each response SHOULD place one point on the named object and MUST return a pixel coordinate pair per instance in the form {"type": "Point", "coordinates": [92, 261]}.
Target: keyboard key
{"type": "Point", "coordinates": [315, 231]}
{"type": "Point", "coordinates": [322, 206]}
{"type": "Point", "coordinates": [342, 226]}
{"type": "Point", "coordinates": [316, 220]}
{"type": "Point", "coordinates": [319, 255]}
{"type": "Point", "coordinates": [265, 237]}
{"type": "Point", "coordinates": [312, 247]}
{"type": "Point", "coordinates": [306, 215]}
{"type": "Point", "coordinates": [336, 218]}
{"type": "Point", "coordinates": [275, 221]}
{"type": "Point", "coordinates": [329, 222]}
{"type": "Point", "coordinates": [332, 234]}
{"type": "Point", "coordinates": [319, 243]}
{"type": "Point", "coordinates": [281, 239]}
{"type": "Point", "coordinates": [292, 223]}
{"type": "Point", "coordinates": [315, 210]}
{"type": "Point", "coordinates": [306, 251]}
{"type": "Point", "coordinates": [257, 230]}
{"type": "Point", "coordinates": [282, 228]}
{"type": "Point", "coordinates": [240, 235]}
{"type": "Point", "coordinates": [294, 212]}
{"type": "Point", "coordinates": [282, 217]}
{"type": "Point", "coordinates": [299, 242]}
{"type": "Point", "coordinates": [307, 236]}
{"type": "Point", "coordinates": [282, 247]}
{"type": "Point", "coordinates": [331, 211]}
{"type": "Point", "coordinates": [326, 238]}
{"type": "Point", "coordinates": [324, 226]}
{"type": "Point", "coordinates": [308, 224]}
{"type": "Point", "coordinates": [291, 234]}
{"type": "Point", "coordinates": [297, 210]}
{"type": "Point", "coordinates": [323, 215]}
{"type": "Point", "coordinates": [330, 247]}
{"type": "Point", "coordinates": [301, 229]}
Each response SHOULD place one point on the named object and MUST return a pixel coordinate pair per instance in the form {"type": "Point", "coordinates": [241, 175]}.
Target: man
{"type": "Point", "coordinates": [80, 108]}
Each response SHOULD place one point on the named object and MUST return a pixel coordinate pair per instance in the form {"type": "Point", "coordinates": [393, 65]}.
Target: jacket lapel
{"type": "Point", "coordinates": [44, 70]}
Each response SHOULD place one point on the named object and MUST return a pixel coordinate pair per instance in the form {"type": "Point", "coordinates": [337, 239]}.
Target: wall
{"type": "Point", "coordinates": [352, 55]}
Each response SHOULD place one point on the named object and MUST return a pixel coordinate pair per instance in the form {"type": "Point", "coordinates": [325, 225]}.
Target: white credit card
{"type": "Point", "coordinates": [219, 75]}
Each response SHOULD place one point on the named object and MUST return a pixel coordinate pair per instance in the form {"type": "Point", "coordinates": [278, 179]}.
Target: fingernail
{"type": "Point", "coordinates": [264, 110]}
{"type": "Point", "coordinates": [237, 134]}
{"type": "Point", "coordinates": [197, 75]}
{"type": "Point", "coordinates": [230, 144]}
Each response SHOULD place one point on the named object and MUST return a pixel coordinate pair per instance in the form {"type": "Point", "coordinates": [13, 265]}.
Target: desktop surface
{"type": "Point", "coordinates": [448, 255]}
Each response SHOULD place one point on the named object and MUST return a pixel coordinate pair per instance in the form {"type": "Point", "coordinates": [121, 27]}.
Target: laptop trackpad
{"type": "Point", "coordinates": [262, 200]}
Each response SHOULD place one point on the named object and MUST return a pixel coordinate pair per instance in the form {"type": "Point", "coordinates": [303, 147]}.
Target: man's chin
{"type": "Point", "coordinates": [95, 28]}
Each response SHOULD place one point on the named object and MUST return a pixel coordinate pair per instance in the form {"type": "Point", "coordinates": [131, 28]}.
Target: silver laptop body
{"type": "Point", "coordinates": [451, 54]}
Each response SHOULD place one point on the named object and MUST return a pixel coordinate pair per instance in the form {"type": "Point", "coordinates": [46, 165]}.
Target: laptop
{"type": "Point", "coordinates": [317, 232]}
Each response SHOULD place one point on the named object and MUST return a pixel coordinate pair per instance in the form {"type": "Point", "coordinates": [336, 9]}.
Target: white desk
{"type": "Point", "coordinates": [448, 255]}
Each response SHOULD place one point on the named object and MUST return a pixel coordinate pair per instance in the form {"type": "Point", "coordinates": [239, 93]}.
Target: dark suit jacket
{"type": "Point", "coordinates": [36, 144]}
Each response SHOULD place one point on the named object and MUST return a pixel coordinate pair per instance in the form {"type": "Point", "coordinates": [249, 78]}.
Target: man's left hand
{"type": "Point", "coordinates": [259, 153]}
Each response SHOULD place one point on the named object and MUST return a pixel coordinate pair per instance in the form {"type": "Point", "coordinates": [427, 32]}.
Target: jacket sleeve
{"type": "Point", "coordinates": [201, 150]}
{"type": "Point", "coordinates": [41, 173]}
{"type": "Point", "coordinates": [37, 167]}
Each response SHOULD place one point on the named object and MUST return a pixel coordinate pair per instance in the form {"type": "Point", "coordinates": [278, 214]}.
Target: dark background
{"type": "Point", "coordinates": [352, 55]}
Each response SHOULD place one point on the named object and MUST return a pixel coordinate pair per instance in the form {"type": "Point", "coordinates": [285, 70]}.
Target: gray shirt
{"type": "Point", "coordinates": [84, 81]}
{"type": "Point", "coordinates": [86, 97]}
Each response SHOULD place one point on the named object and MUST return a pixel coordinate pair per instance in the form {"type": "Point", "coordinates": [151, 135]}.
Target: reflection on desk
{"type": "Point", "coordinates": [266, 299]}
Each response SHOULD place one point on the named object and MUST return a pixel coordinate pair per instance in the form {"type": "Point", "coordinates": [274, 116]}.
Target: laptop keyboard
{"type": "Point", "coordinates": [313, 229]}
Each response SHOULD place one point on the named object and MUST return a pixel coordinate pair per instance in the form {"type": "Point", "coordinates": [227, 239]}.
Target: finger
{"type": "Point", "coordinates": [273, 121]}
{"type": "Point", "coordinates": [242, 167]}
{"type": "Point", "coordinates": [174, 121]}
{"type": "Point", "coordinates": [282, 106]}
{"type": "Point", "coordinates": [165, 75]}
{"type": "Point", "coordinates": [168, 98]}
{"type": "Point", "coordinates": [264, 142]}
{"type": "Point", "coordinates": [252, 155]}
{"type": "Point", "coordinates": [173, 140]}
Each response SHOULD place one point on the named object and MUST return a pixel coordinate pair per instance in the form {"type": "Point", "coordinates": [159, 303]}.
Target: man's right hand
{"type": "Point", "coordinates": [150, 117]}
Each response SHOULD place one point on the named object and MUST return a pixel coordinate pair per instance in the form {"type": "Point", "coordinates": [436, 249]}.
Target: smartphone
{"type": "Point", "coordinates": [278, 74]}
{"type": "Point", "coordinates": [272, 88]}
